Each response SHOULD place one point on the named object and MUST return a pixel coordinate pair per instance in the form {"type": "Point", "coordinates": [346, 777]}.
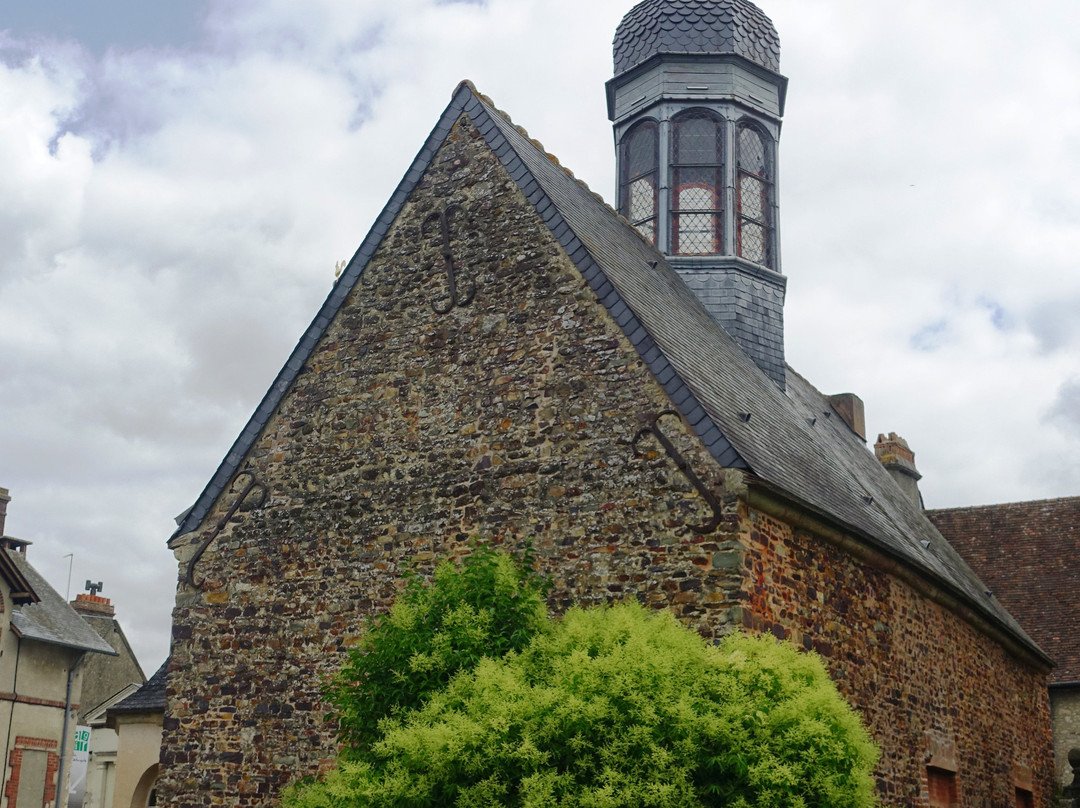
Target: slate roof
{"type": "Point", "coordinates": [695, 26]}
{"type": "Point", "coordinates": [794, 441]}
{"type": "Point", "coordinates": [1028, 553]}
{"type": "Point", "coordinates": [51, 619]}
{"type": "Point", "coordinates": [150, 698]}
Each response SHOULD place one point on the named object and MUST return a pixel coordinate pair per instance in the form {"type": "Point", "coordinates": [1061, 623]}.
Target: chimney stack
{"type": "Point", "coordinates": [9, 542]}
{"type": "Point", "coordinates": [5, 498]}
{"type": "Point", "coordinates": [92, 604]}
{"type": "Point", "coordinates": [850, 408]}
{"type": "Point", "coordinates": [898, 459]}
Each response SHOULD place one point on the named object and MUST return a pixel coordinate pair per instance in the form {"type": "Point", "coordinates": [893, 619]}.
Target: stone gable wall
{"type": "Point", "coordinates": [929, 686]}
{"type": "Point", "coordinates": [510, 418]}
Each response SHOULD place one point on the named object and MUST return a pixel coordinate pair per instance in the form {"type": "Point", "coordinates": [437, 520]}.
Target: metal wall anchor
{"type": "Point", "coordinates": [680, 461]}
{"type": "Point", "coordinates": [260, 495]}
{"type": "Point", "coordinates": [445, 218]}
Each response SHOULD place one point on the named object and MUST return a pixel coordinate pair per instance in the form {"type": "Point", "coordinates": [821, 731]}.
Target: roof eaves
{"type": "Point", "coordinates": [27, 633]}
{"type": "Point", "coordinates": [21, 590]}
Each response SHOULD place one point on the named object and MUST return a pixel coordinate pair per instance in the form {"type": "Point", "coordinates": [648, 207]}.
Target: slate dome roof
{"type": "Point", "coordinates": [695, 26]}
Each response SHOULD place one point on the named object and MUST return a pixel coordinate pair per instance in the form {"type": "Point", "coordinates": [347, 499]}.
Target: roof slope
{"type": "Point", "coordinates": [51, 619]}
{"type": "Point", "coordinates": [150, 698]}
{"type": "Point", "coordinates": [1026, 553]}
{"type": "Point", "coordinates": [96, 715]}
{"type": "Point", "coordinates": [793, 441]}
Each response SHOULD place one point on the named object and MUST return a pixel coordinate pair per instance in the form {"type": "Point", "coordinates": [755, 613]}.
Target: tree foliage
{"type": "Point", "coordinates": [618, 708]}
{"type": "Point", "coordinates": [489, 604]}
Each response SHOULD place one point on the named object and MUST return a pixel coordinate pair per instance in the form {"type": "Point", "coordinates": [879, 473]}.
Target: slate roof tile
{"type": "Point", "coordinates": [149, 698]}
{"type": "Point", "coordinates": [695, 26]}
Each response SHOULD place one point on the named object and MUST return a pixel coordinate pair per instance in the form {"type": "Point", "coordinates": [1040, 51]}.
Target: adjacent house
{"type": "Point", "coordinates": [137, 721]}
{"type": "Point", "coordinates": [99, 786]}
{"type": "Point", "coordinates": [1026, 552]}
{"type": "Point", "coordinates": [106, 682]}
{"type": "Point", "coordinates": [43, 643]}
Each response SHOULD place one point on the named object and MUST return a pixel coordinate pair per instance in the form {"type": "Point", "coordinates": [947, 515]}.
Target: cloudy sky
{"type": "Point", "coordinates": [177, 181]}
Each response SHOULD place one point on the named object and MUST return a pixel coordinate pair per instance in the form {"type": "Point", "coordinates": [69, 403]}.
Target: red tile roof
{"type": "Point", "coordinates": [1028, 554]}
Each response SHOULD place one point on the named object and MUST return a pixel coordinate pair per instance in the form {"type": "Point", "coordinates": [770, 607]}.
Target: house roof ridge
{"type": "Point", "coordinates": [1015, 503]}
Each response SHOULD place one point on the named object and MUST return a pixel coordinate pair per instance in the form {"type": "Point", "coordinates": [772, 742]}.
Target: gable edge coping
{"type": "Point", "coordinates": [340, 291]}
{"type": "Point", "coordinates": [465, 100]}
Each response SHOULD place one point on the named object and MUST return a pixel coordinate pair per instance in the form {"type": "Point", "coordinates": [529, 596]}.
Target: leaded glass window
{"type": "Point", "coordinates": [754, 196]}
{"type": "Point", "coordinates": [697, 172]}
{"type": "Point", "coordinates": [638, 190]}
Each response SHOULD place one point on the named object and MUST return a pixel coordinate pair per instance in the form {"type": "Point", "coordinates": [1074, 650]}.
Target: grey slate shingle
{"type": "Point", "coordinates": [149, 698]}
{"type": "Point", "coordinates": [52, 620]}
{"type": "Point", "coordinates": [665, 26]}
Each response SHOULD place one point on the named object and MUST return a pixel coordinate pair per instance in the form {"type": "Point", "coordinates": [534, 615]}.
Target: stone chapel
{"type": "Point", "coordinates": [507, 357]}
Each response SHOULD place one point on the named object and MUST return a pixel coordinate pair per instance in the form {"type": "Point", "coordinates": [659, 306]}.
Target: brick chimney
{"type": "Point", "coordinates": [850, 408]}
{"type": "Point", "coordinates": [5, 498]}
{"type": "Point", "coordinates": [9, 542]}
{"type": "Point", "coordinates": [93, 606]}
{"type": "Point", "coordinates": [898, 459]}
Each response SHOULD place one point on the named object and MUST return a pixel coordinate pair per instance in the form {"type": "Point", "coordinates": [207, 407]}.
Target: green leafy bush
{"type": "Point", "coordinates": [617, 708]}
{"type": "Point", "coordinates": [489, 604]}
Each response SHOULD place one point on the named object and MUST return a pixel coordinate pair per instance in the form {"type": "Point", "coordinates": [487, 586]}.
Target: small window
{"type": "Point", "coordinates": [638, 188]}
{"type": "Point", "coordinates": [754, 196]}
{"type": "Point", "coordinates": [941, 786]}
{"type": "Point", "coordinates": [697, 171]}
{"type": "Point", "coordinates": [1024, 798]}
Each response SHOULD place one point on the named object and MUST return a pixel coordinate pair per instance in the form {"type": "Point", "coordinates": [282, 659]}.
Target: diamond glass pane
{"type": "Point", "coordinates": [752, 152]}
{"type": "Point", "coordinates": [648, 229]}
{"type": "Point", "coordinates": [697, 233]}
{"type": "Point", "coordinates": [641, 151]}
{"type": "Point", "coordinates": [696, 189]}
{"type": "Point", "coordinates": [697, 140]}
{"type": "Point", "coordinates": [642, 199]}
{"type": "Point", "coordinates": [695, 197]}
{"type": "Point", "coordinates": [752, 242]}
{"type": "Point", "coordinates": [751, 198]}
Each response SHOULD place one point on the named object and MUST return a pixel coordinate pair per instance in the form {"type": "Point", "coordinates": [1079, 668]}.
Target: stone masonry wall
{"type": "Point", "coordinates": [510, 417]}
{"type": "Point", "coordinates": [930, 688]}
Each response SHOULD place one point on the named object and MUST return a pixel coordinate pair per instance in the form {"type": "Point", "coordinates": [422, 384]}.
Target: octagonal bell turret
{"type": "Point", "coordinates": [697, 102]}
